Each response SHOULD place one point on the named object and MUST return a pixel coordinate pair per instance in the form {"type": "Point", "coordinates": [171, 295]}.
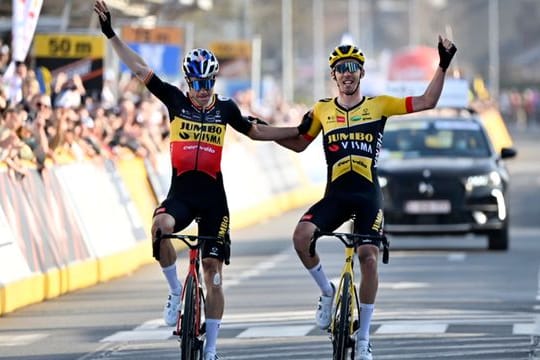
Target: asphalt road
{"type": "Point", "coordinates": [439, 298]}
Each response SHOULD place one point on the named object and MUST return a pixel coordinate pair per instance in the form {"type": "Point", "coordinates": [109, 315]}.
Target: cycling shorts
{"type": "Point", "coordinates": [336, 208]}
{"type": "Point", "coordinates": [203, 198]}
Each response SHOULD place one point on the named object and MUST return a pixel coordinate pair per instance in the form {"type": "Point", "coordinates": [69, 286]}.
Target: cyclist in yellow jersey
{"type": "Point", "coordinates": [352, 127]}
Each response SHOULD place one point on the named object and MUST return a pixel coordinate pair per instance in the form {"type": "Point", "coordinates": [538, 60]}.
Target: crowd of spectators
{"type": "Point", "coordinates": [65, 124]}
{"type": "Point", "coordinates": [521, 108]}
{"type": "Point", "coordinates": [43, 125]}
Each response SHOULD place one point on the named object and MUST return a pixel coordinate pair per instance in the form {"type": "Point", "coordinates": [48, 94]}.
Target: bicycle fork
{"type": "Point", "coordinates": [354, 303]}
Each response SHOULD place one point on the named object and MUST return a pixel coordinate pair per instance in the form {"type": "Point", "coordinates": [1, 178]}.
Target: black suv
{"type": "Point", "coordinates": [440, 174]}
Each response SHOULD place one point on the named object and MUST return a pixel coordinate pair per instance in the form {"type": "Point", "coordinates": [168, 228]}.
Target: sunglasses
{"type": "Point", "coordinates": [350, 66]}
{"type": "Point", "coordinates": [200, 84]}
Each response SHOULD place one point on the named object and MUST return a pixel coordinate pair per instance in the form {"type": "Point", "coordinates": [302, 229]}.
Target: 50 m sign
{"type": "Point", "coordinates": [69, 46]}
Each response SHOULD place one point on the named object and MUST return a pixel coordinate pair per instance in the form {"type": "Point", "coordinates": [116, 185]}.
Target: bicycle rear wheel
{"type": "Point", "coordinates": [341, 320]}
{"type": "Point", "coordinates": [189, 343]}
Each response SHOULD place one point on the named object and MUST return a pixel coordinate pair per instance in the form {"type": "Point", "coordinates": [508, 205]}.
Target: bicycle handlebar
{"type": "Point", "coordinates": [191, 241]}
{"type": "Point", "coordinates": [353, 240]}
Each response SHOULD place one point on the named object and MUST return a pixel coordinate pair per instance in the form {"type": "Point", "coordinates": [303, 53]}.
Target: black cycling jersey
{"type": "Point", "coordinates": [196, 142]}
{"type": "Point", "coordinates": [196, 134]}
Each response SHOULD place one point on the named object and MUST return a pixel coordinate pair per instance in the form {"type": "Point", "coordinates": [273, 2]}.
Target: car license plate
{"type": "Point", "coordinates": [427, 207]}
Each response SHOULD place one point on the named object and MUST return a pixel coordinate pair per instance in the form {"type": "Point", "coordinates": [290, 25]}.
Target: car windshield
{"type": "Point", "coordinates": [436, 138]}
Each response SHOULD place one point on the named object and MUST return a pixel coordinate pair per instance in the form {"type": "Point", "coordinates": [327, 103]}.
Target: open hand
{"type": "Point", "coordinates": [104, 16]}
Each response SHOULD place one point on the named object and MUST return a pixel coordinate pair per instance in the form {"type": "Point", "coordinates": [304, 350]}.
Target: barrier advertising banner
{"type": "Point", "coordinates": [14, 265]}
{"type": "Point", "coordinates": [31, 238]}
{"type": "Point", "coordinates": [106, 226]}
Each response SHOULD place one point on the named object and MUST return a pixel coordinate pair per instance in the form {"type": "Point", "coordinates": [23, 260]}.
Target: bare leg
{"type": "Point", "coordinates": [164, 223]}
{"type": "Point", "coordinates": [301, 238]}
{"type": "Point", "coordinates": [215, 301]}
{"type": "Point", "coordinates": [368, 255]}
{"type": "Point", "coordinates": [369, 285]}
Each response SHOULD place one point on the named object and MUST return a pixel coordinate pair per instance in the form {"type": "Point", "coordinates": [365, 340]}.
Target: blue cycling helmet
{"type": "Point", "coordinates": [200, 63]}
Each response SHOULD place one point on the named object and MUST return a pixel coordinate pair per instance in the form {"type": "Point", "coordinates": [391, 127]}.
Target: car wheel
{"type": "Point", "coordinates": [498, 239]}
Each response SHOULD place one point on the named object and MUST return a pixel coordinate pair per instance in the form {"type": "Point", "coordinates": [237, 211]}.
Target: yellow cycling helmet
{"type": "Point", "coordinates": [346, 52]}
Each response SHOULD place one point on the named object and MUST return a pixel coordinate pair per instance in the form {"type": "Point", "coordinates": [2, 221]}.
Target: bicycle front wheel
{"type": "Point", "coordinates": [188, 340]}
{"type": "Point", "coordinates": [341, 321]}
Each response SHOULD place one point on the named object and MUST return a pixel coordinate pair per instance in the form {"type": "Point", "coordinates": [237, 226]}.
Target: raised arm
{"type": "Point", "coordinates": [133, 61]}
{"type": "Point", "coordinates": [430, 97]}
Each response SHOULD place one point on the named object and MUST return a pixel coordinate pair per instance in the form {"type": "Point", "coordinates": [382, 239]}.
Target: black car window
{"type": "Point", "coordinates": [436, 139]}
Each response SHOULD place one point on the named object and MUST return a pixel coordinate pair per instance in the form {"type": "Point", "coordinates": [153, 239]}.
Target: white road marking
{"type": "Point", "coordinates": [257, 270]}
{"type": "Point", "coordinates": [141, 335]}
{"type": "Point", "coordinates": [457, 257]}
{"type": "Point", "coordinates": [268, 316]}
{"type": "Point", "coordinates": [20, 339]}
{"type": "Point", "coordinates": [538, 289]}
{"type": "Point", "coordinates": [300, 323]}
{"type": "Point", "coordinates": [275, 331]}
{"type": "Point", "coordinates": [150, 325]}
{"type": "Point", "coordinates": [400, 285]}
{"type": "Point", "coordinates": [526, 329]}
{"type": "Point", "coordinates": [404, 285]}
{"type": "Point", "coordinates": [412, 327]}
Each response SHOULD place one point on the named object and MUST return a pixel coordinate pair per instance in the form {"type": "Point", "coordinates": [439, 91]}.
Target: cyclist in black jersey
{"type": "Point", "coordinates": [198, 122]}
{"type": "Point", "coordinates": [352, 127]}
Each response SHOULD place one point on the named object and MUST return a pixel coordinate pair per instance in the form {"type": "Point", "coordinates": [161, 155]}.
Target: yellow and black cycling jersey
{"type": "Point", "coordinates": [352, 138]}
{"type": "Point", "coordinates": [196, 135]}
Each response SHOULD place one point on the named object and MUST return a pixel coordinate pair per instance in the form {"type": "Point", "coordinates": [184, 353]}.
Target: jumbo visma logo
{"type": "Point", "coordinates": [350, 141]}
{"type": "Point", "coordinates": [183, 130]}
{"type": "Point", "coordinates": [353, 136]}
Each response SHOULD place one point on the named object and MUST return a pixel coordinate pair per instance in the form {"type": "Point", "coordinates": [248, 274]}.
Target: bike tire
{"type": "Point", "coordinates": [342, 319]}
{"type": "Point", "coordinates": [188, 326]}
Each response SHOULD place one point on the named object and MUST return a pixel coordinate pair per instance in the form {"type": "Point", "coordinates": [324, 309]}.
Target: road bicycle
{"type": "Point", "coordinates": [345, 318]}
{"type": "Point", "coordinates": [190, 327]}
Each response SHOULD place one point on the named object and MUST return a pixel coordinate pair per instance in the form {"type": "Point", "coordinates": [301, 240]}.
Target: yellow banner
{"type": "Point", "coordinates": [69, 46]}
{"type": "Point", "coordinates": [231, 49]}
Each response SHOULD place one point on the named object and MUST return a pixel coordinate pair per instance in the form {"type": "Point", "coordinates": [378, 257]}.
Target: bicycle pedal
{"type": "Point", "coordinates": [176, 333]}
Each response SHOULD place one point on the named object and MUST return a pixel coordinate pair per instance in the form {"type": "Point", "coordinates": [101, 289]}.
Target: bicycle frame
{"type": "Point", "coordinates": [347, 304]}
{"type": "Point", "coordinates": [193, 271]}
{"type": "Point", "coordinates": [348, 268]}
{"type": "Point", "coordinates": [189, 327]}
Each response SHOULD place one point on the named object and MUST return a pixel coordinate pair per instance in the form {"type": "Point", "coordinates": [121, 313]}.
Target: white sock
{"type": "Point", "coordinates": [212, 330]}
{"type": "Point", "coordinates": [320, 278]}
{"type": "Point", "coordinates": [366, 311]}
{"type": "Point", "coordinates": [175, 287]}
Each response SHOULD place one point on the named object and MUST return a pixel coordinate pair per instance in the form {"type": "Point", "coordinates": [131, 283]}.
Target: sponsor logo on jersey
{"type": "Point", "coordinates": [334, 148]}
{"type": "Point", "coordinates": [377, 224]}
{"type": "Point", "coordinates": [210, 133]}
{"type": "Point", "coordinates": [359, 136]}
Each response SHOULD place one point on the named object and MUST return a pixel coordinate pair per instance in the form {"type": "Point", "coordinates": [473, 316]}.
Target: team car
{"type": "Point", "coordinates": [440, 174]}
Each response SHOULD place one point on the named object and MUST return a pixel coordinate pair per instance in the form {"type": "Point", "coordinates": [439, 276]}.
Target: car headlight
{"type": "Point", "coordinates": [383, 181]}
{"type": "Point", "coordinates": [493, 179]}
